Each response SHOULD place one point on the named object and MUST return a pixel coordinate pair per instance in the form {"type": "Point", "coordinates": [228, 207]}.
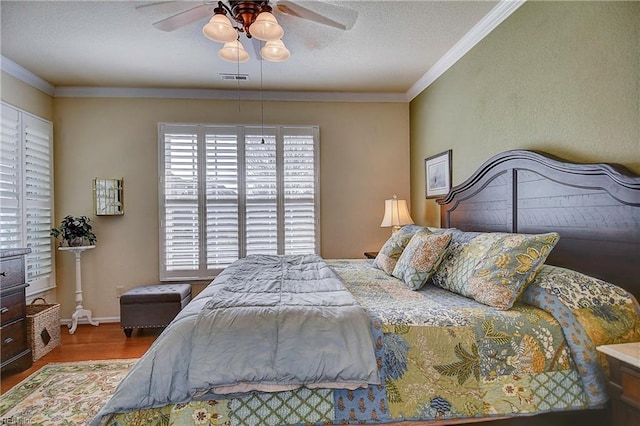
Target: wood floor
{"type": "Point", "coordinates": [106, 341]}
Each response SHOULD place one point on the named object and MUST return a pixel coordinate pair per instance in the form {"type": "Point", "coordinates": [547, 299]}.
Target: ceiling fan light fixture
{"type": "Point", "coordinates": [275, 51]}
{"type": "Point", "coordinates": [220, 29]}
{"type": "Point", "coordinates": [266, 27]}
{"type": "Point", "coordinates": [233, 52]}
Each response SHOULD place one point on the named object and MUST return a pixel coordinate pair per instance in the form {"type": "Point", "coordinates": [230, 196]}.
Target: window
{"type": "Point", "coordinates": [26, 193]}
{"type": "Point", "coordinates": [231, 191]}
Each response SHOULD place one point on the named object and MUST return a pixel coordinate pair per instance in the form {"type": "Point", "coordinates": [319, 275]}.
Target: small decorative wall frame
{"type": "Point", "coordinates": [437, 173]}
{"type": "Point", "coordinates": [108, 197]}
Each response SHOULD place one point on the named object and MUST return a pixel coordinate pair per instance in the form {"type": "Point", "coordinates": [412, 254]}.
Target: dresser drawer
{"type": "Point", "coordinates": [12, 306]}
{"type": "Point", "coordinates": [14, 339]}
{"type": "Point", "coordinates": [630, 386]}
{"type": "Point", "coordinates": [11, 271]}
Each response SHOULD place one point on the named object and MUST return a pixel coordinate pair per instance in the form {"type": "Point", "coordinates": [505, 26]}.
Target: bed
{"type": "Point", "coordinates": [436, 344]}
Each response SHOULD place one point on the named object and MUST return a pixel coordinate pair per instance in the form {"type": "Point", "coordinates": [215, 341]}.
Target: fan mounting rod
{"type": "Point", "coordinates": [245, 12]}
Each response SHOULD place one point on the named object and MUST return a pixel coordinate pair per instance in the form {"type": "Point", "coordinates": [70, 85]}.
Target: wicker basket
{"type": "Point", "coordinates": [43, 327]}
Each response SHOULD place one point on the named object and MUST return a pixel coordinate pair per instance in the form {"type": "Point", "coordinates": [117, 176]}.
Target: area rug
{"type": "Point", "coordinates": [66, 393]}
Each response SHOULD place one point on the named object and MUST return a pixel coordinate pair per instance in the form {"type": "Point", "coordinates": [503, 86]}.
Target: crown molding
{"type": "Point", "coordinates": [23, 74]}
{"type": "Point", "coordinates": [245, 95]}
{"type": "Point", "coordinates": [479, 31]}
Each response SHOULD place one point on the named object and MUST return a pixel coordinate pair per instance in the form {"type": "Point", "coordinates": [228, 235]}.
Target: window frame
{"type": "Point", "coordinates": [242, 134]}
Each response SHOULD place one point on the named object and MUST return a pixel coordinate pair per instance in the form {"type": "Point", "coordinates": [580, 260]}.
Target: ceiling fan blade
{"type": "Point", "coordinates": [185, 18]}
{"type": "Point", "coordinates": [340, 17]}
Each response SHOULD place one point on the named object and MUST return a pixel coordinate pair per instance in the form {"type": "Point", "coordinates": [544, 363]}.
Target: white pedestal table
{"type": "Point", "coordinates": [80, 311]}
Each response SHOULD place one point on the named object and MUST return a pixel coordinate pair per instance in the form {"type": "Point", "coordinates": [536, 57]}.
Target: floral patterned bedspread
{"type": "Point", "coordinates": [444, 356]}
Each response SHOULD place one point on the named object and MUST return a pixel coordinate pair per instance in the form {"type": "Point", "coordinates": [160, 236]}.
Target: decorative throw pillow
{"type": "Point", "coordinates": [494, 268]}
{"type": "Point", "coordinates": [510, 265]}
{"type": "Point", "coordinates": [465, 251]}
{"type": "Point", "coordinates": [421, 257]}
{"type": "Point", "coordinates": [393, 248]}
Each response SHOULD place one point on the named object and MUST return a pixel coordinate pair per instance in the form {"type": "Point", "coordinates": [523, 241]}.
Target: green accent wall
{"type": "Point", "coordinates": [560, 77]}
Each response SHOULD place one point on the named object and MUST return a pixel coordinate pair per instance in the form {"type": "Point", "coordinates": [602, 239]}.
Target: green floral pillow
{"type": "Point", "coordinates": [393, 248]}
{"type": "Point", "coordinates": [494, 268]}
{"type": "Point", "coordinates": [465, 251]}
{"type": "Point", "coordinates": [421, 257]}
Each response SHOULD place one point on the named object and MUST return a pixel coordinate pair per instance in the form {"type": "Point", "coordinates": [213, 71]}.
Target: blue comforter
{"type": "Point", "coordinates": [267, 323]}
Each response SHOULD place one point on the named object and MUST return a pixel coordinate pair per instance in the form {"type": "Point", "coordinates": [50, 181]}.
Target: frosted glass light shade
{"type": "Point", "coordinates": [396, 214]}
{"type": "Point", "coordinates": [220, 29]}
{"type": "Point", "coordinates": [275, 51]}
{"type": "Point", "coordinates": [266, 28]}
{"type": "Point", "coordinates": [233, 52]}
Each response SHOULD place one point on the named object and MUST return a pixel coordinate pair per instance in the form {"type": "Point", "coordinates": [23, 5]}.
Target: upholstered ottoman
{"type": "Point", "coordinates": [152, 305]}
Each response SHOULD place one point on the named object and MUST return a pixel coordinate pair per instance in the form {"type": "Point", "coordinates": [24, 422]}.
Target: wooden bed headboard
{"type": "Point", "coordinates": [594, 207]}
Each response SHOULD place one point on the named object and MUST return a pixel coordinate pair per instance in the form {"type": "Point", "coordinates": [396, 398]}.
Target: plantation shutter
{"type": "Point", "coordinates": [10, 180]}
{"type": "Point", "coordinates": [300, 215]}
{"type": "Point", "coordinates": [38, 198]}
{"type": "Point", "coordinates": [222, 221]}
{"type": "Point", "coordinates": [227, 192]}
{"type": "Point", "coordinates": [179, 220]}
{"type": "Point", "coordinates": [261, 192]}
{"type": "Point", "coordinates": [26, 193]}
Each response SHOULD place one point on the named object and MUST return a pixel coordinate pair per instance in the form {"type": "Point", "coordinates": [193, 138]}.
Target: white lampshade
{"type": "Point", "coordinates": [396, 214]}
{"type": "Point", "coordinates": [220, 29]}
{"type": "Point", "coordinates": [275, 51]}
{"type": "Point", "coordinates": [233, 52]}
{"type": "Point", "coordinates": [266, 28]}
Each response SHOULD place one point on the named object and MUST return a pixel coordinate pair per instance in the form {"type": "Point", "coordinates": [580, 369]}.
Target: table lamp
{"type": "Point", "coordinates": [396, 214]}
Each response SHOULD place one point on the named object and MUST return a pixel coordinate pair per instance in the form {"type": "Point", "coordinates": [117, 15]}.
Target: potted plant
{"type": "Point", "coordinates": [74, 230]}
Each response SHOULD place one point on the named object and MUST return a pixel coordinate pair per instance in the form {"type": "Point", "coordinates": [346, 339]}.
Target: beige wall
{"type": "Point", "coordinates": [561, 77]}
{"type": "Point", "coordinates": [21, 95]}
{"type": "Point", "coordinates": [364, 159]}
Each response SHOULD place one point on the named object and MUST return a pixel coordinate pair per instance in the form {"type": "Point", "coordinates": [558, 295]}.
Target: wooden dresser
{"type": "Point", "coordinates": [624, 382]}
{"type": "Point", "coordinates": [15, 352]}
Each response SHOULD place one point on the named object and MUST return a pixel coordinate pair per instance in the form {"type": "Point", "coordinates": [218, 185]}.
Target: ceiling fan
{"type": "Point", "coordinates": [324, 13]}
{"type": "Point", "coordinates": [256, 20]}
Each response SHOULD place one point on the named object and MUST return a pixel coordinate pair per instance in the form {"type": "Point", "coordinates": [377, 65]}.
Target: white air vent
{"type": "Point", "coordinates": [234, 77]}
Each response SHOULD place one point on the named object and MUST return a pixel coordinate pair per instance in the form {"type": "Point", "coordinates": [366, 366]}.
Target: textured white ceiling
{"type": "Point", "coordinates": [112, 44]}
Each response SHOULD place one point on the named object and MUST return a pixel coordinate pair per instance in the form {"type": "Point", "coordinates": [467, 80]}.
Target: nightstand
{"type": "Point", "coordinates": [370, 254]}
{"type": "Point", "coordinates": [624, 382]}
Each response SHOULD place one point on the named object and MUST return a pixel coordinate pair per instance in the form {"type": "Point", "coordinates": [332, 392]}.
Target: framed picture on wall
{"type": "Point", "coordinates": [437, 174]}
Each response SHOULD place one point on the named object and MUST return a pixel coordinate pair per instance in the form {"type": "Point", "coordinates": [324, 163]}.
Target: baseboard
{"type": "Point", "coordinates": [102, 320]}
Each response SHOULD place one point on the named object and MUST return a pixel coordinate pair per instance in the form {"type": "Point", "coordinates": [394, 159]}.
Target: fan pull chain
{"type": "Point", "coordinates": [237, 74]}
{"type": "Point", "coordinates": [261, 102]}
